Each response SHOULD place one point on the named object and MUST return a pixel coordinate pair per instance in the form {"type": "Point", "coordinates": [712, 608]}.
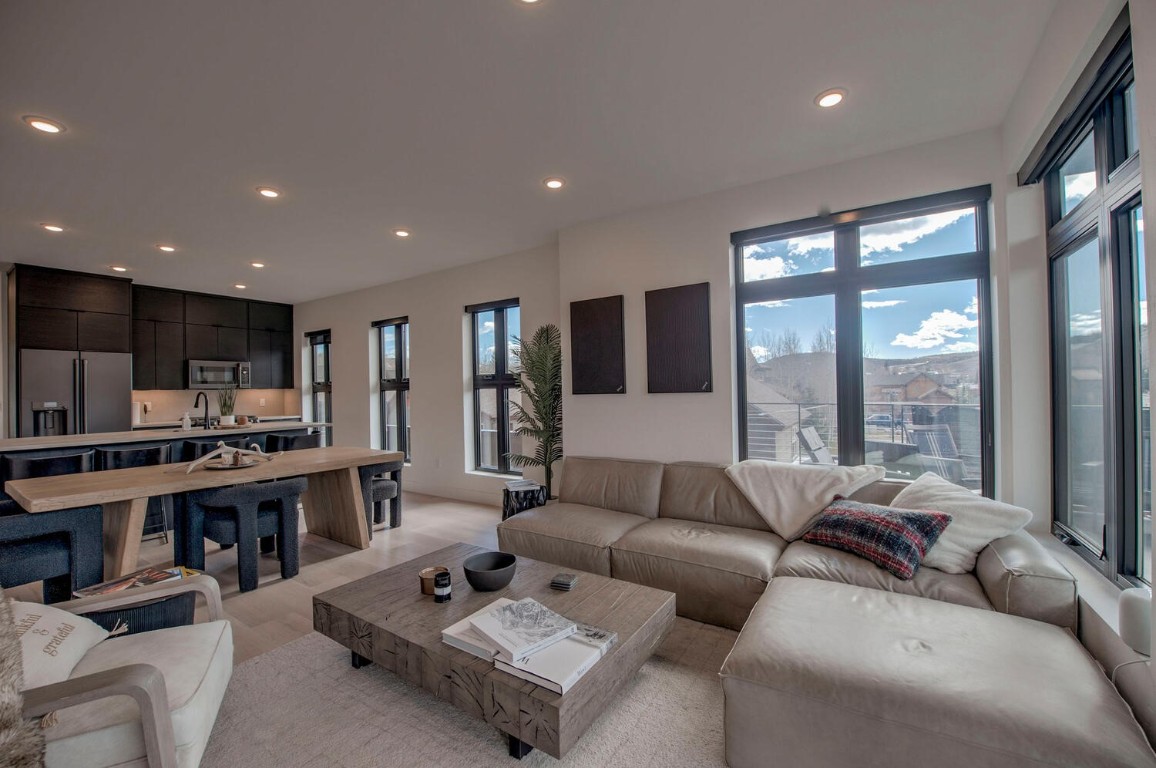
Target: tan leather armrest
{"type": "Point", "coordinates": [1020, 577]}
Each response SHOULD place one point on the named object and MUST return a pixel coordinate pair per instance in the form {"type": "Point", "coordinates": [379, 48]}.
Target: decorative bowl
{"type": "Point", "coordinates": [490, 571]}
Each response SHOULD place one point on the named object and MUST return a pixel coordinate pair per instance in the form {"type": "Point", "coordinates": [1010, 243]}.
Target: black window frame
{"type": "Point", "coordinates": [317, 387]}
{"type": "Point", "coordinates": [1097, 106]}
{"type": "Point", "coordinates": [400, 384]}
{"type": "Point", "coordinates": [502, 381]}
{"type": "Point", "coordinates": [847, 282]}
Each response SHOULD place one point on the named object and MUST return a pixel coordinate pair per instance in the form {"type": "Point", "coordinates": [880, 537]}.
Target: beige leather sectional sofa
{"type": "Point", "coordinates": [838, 662]}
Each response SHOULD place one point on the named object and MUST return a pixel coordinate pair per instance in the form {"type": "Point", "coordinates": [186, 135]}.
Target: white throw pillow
{"type": "Point", "coordinates": [52, 641]}
{"type": "Point", "coordinates": [976, 521]}
{"type": "Point", "coordinates": [790, 496]}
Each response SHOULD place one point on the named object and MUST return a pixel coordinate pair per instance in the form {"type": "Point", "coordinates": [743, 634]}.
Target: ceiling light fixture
{"type": "Point", "coordinates": [402, 233]}
{"type": "Point", "coordinates": [43, 124]}
{"type": "Point", "coordinates": [830, 98]}
{"type": "Point", "coordinates": [257, 264]}
{"type": "Point", "coordinates": [268, 192]}
{"type": "Point", "coordinates": [118, 269]}
{"type": "Point", "coordinates": [166, 248]}
{"type": "Point", "coordinates": [240, 286]}
{"type": "Point", "coordinates": [554, 182]}
{"type": "Point", "coordinates": [53, 227]}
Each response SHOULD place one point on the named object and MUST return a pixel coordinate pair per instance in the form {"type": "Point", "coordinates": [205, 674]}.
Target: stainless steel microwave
{"type": "Point", "coordinates": [219, 374]}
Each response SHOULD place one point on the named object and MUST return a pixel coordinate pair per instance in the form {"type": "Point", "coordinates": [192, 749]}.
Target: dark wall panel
{"type": "Point", "coordinates": [597, 347]}
{"type": "Point", "coordinates": [678, 339]}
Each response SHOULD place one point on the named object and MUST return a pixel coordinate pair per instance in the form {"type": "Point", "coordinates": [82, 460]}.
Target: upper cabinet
{"type": "Point", "coordinates": [58, 309]}
{"type": "Point", "coordinates": [216, 310]}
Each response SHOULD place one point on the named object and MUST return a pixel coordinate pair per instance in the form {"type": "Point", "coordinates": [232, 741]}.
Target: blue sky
{"type": "Point", "coordinates": [897, 322]}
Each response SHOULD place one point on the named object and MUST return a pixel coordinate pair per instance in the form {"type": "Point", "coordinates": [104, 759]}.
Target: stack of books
{"type": "Point", "coordinates": [522, 485]}
{"type": "Point", "coordinates": [141, 578]}
{"type": "Point", "coordinates": [527, 639]}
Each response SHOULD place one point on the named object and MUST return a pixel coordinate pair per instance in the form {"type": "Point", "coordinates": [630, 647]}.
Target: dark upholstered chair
{"type": "Point", "coordinates": [63, 549]}
{"type": "Point", "coordinates": [275, 442]}
{"type": "Point", "coordinates": [377, 489]}
{"type": "Point", "coordinates": [242, 515]}
{"type": "Point", "coordinates": [159, 519]}
{"type": "Point", "coordinates": [192, 450]}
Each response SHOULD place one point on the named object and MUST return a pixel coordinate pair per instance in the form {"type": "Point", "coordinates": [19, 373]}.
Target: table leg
{"type": "Point", "coordinates": [123, 523]}
{"type": "Point", "coordinates": [334, 507]}
{"type": "Point", "coordinates": [518, 748]}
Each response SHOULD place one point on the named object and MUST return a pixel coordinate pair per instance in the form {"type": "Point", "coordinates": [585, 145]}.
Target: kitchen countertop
{"type": "Point", "coordinates": [177, 422]}
{"type": "Point", "coordinates": [145, 436]}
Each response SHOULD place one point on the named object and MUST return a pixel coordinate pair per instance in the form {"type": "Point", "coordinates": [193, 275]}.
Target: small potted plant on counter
{"type": "Point", "coordinates": [226, 400]}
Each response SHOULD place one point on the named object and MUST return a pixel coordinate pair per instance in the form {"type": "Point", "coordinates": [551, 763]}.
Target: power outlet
{"type": "Point", "coordinates": [261, 402]}
{"type": "Point", "coordinates": [148, 407]}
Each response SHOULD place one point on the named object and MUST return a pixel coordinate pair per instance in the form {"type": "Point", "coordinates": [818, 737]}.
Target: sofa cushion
{"type": "Point", "coordinates": [618, 484]}
{"type": "Point", "coordinates": [790, 496]}
{"type": "Point", "coordinates": [53, 641]}
{"type": "Point", "coordinates": [976, 521]}
{"type": "Point", "coordinates": [814, 562]}
{"type": "Point", "coordinates": [894, 539]}
{"type": "Point", "coordinates": [717, 571]}
{"type": "Point", "coordinates": [196, 661]}
{"type": "Point", "coordinates": [1022, 578]}
{"type": "Point", "coordinates": [704, 493]}
{"type": "Point", "coordinates": [569, 535]}
{"type": "Point", "coordinates": [893, 679]}
{"type": "Point", "coordinates": [879, 492]}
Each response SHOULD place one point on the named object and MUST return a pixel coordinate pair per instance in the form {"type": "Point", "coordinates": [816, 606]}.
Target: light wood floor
{"type": "Point", "coordinates": [282, 610]}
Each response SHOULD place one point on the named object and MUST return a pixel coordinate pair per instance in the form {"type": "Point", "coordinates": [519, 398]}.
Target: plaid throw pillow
{"type": "Point", "coordinates": [895, 539]}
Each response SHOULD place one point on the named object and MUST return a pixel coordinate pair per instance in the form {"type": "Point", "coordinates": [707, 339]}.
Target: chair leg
{"type": "Point", "coordinates": [395, 511]}
{"type": "Point", "coordinates": [166, 518]}
{"type": "Point", "coordinates": [287, 545]}
{"type": "Point", "coordinates": [247, 547]}
{"type": "Point", "coordinates": [267, 544]}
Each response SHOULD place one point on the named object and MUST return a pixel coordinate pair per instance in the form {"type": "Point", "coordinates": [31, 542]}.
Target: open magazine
{"type": "Point", "coordinates": [141, 578]}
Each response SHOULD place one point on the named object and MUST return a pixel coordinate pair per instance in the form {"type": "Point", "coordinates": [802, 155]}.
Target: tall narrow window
{"type": "Point", "coordinates": [863, 339]}
{"type": "Point", "coordinates": [1100, 414]}
{"type": "Point", "coordinates": [321, 381]}
{"type": "Point", "coordinates": [393, 365]}
{"type": "Point", "coordinates": [495, 330]}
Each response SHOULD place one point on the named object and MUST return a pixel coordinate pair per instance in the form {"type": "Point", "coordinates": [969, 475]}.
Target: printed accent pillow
{"type": "Point", "coordinates": [790, 496]}
{"type": "Point", "coordinates": [977, 520]}
{"type": "Point", "coordinates": [895, 539]}
{"type": "Point", "coordinates": [52, 641]}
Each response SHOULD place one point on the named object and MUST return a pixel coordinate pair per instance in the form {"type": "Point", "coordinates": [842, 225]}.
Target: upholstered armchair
{"type": "Point", "coordinates": [141, 698]}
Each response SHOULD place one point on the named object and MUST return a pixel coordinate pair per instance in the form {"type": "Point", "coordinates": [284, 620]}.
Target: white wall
{"type": "Point", "coordinates": [439, 368]}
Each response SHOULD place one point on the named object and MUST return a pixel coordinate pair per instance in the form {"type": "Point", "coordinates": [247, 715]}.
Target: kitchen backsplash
{"type": "Point", "coordinates": [170, 404]}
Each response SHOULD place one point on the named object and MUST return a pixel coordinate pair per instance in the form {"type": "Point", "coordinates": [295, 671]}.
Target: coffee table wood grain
{"type": "Point", "coordinates": [384, 618]}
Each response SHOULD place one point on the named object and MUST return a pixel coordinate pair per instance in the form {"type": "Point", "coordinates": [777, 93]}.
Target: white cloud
{"type": "Point", "coordinates": [973, 307]}
{"type": "Point", "coordinates": [766, 269]}
{"type": "Point", "coordinates": [748, 330]}
{"type": "Point", "coordinates": [1078, 186]}
{"type": "Point", "coordinates": [760, 353]}
{"type": "Point", "coordinates": [487, 326]}
{"type": "Point", "coordinates": [936, 330]}
{"type": "Point", "coordinates": [962, 346]}
{"type": "Point", "coordinates": [893, 235]}
{"type": "Point", "coordinates": [824, 241]}
{"type": "Point", "coordinates": [882, 304]}
{"type": "Point", "coordinates": [1086, 323]}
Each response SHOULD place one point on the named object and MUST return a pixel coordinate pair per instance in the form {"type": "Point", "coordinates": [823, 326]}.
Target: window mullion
{"type": "Point", "coordinates": [848, 347]}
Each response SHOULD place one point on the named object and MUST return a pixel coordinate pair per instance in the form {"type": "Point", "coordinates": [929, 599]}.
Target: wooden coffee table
{"type": "Point", "coordinates": [384, 619]}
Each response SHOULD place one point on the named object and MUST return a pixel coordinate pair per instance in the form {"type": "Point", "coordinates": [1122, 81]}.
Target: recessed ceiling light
{"type": "Point", "coordinates": [269, 192]}
{"type": "Point", "coordinates": [830, 98]}
{"type": "Point", "coordinates": [43, 124]}
{"type": "Point", "coordinates": [529, 2]}
{"type": "Point", "coordinates": [554, 182]}
{"type": "Point", "coordinates": [118, 269]}
{"type": "Point", "coordinates": [53, 227]}
{"type": "Point", "coordinates": [166, 248]}
{"type": "Point", "coordinates": [257, 264]}
{"type": "Point", "coordinates": [402, 233]}
{"type": "Point", "coordinates": [240, 286]}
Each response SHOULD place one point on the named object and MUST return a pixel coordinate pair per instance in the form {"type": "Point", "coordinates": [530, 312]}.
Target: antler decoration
{"type": "Point", "coordinates": [224, 451]}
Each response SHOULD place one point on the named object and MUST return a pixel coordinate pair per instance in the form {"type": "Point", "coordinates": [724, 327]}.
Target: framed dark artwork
{"type": "Point", "coordinates": [597, 347]}
{"type": "Point", "coordinates": [678, 339]}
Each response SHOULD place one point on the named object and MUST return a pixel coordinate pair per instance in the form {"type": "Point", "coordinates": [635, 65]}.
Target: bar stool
{"type": "Point", "coordinates": [376, 489]}
{"type": "Point", "coordinates": [241, 515]}
{"type": "Point", "coordinates": [274, 442]}
{"type": "Point", "coordinates": [125, 458]}
{"type": "Point", "coordinates": [192, 450]}
{"type": "Point", "coordinates": [64, 548]}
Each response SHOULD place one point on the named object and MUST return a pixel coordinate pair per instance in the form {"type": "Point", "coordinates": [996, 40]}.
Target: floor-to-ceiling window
{"type": "Point", "coordinates": [321, 384]}
{"type": "Point", "coordinates": [495, 329]}
{"type": "Point", "coordinates": [1090, 169]}
{"type": "Point", "coordinates": [393, 374]}
{"type": "Point", "coordinates": [864, 338]}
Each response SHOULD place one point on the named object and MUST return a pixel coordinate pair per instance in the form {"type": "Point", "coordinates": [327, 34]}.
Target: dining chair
{"type": "Point", "coordinates": [159, 507]}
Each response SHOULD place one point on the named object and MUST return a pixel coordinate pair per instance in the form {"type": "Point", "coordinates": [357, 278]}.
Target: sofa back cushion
{"type": "Point", "coordinates": [703, 493]}
{"type": "Point", "coordinates": [620, 484]}
{"type": "Point", "coordinates": [881, 492]}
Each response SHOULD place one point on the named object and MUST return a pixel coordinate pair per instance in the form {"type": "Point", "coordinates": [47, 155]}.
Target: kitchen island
{"type": "Point", "coordinates": [174, 434]}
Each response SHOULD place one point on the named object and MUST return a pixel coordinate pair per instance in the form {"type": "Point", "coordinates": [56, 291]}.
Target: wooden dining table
{"type": "Point", "coordinates": [334, 506]}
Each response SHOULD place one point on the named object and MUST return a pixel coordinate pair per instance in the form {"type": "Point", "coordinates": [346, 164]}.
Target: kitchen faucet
{"type": "Point", "coordinates": [198, 400]}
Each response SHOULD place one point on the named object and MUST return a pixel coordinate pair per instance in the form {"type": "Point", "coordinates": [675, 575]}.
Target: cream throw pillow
{"type": "Point", "coordinates": [976, 521]}
{"type": "Point", "coordinates": [790, 496]}
{"type": "Point", "coordinates": [52, 641]}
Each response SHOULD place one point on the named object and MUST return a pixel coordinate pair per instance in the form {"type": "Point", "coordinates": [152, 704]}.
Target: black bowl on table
{"type": "Point", "coordinates": [490, 571]}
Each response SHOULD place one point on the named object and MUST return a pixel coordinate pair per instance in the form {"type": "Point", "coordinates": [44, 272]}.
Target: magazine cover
{"type": "Point", "coordinates": [141, 578]}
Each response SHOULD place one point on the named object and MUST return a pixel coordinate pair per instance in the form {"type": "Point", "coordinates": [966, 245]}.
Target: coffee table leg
{"type": "Point", "coordinates": [358, 660]}
{"type": "Point", "coordinates": [518, 748]}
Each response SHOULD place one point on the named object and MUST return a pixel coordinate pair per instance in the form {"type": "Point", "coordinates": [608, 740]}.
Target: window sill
{"type": "Point", "coordinates": [1099, 592]}
{"type": "Point", "coordinates": [494, 475]}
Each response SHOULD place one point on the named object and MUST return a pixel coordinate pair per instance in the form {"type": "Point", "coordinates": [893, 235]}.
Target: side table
{"type": "Point", "coordinates": [514, 502]}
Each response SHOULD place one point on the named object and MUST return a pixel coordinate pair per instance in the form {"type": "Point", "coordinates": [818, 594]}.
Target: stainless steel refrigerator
{"type": "Point", "coordinates": [84, 391]}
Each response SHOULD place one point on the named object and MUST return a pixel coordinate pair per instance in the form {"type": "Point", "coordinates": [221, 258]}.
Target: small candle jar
{"type": "Point", "coordinates": [442, 587]}
{"type": "Point", "coordinates": [426, 575]}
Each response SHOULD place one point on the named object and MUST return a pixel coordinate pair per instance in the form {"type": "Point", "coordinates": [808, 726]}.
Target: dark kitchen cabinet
{"type": "Point", "coordinates": [232, 344]}
{"type": "Point", "coordinates": [158, 304]}
{"type": "Point", "coordinates": [270, 317]}
{"type": "Point", "coordinates": [144, 354]}
{"type": "Point", "coordinates": [100, 332]}
{"type": "Point", "coordinates": [43, 328]}
{"type": "Point", "coordinates": [72, 311]}
{"type": "Point", "coordinates": [271, 357]}
{"type": "Point", "coordinates": [216, 310]}
{"type": "Point", "coordinates": [80, 292]}
{"type": "Point", "coordinates": [206, 342]}
{"type": "Point", "coordinates": [158, 355]}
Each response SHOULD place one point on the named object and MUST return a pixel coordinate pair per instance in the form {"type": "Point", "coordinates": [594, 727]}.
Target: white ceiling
{"type": "Point", "coordinates": [444, 116]}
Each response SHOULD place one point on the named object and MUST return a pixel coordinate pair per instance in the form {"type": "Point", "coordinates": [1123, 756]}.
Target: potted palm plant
{"type": "Point", "coordinates": [540, 379]}
{"type": "Point", "coordinates": [226, 400]}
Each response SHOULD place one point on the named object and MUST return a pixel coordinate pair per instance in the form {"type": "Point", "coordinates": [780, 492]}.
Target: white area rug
{"type": "Point", "coordinates": [304, 706]}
